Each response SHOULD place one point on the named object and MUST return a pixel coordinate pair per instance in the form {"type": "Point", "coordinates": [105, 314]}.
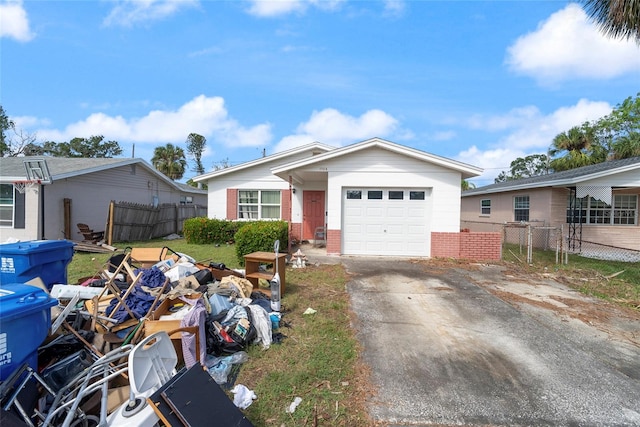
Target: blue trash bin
{"type": "Point", "coordinates": [23, 261]}
{"type": "Point", "coordinates": [25, 320]}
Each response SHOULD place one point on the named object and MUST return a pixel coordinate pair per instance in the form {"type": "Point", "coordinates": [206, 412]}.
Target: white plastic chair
{"type": "Point", "coordinates": [152, 363]}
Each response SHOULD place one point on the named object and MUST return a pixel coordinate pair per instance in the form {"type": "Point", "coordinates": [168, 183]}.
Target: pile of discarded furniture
{"type": "Point", "coordinates": [154, 337]}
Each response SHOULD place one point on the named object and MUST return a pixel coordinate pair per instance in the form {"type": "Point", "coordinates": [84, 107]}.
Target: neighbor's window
{"type": "Point", "coordinates": [521, 208]}
{"type": "Point", "coordinates": [186, 200]}
{"type": "Point", "coordinates": [625, 209]}
{"type": "Point", "coordinates": [416, 195]}
{"type": "Point", "coordinates": [6, 205]}
{"type": "Point", "coordinates": [354, 194]}
{"type": "Point", "coordinates": [485, 207]}
{"type": "Point", "coordinates": [589, 210]}
{"type": "Point", "coordinates": [396, 195]}
{"type": "Point", "coordinates": [259, 204]}
{"type": "Point", "coordinates": [599, 212]}
{"type": "Point", "coordinates": [374, 194]}
{"type": "Point", "coordinates": [577, 211]}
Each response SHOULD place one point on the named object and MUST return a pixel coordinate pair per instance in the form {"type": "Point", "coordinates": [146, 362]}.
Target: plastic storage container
{"type": "Point", "coordinates": [25, 320]}
{"type": "Point", "coordinates": [24, 261]}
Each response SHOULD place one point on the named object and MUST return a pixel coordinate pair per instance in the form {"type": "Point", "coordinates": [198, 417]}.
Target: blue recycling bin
{"type": "Point", "coordinates": [23, 261]}
{"type": "Point", "coordinates": [25, 320]}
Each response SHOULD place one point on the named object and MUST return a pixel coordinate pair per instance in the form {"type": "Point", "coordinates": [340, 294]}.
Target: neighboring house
{"type": "Point", "coordinates": [80, 192]}
{"type": "Point", "coordinates": [374, 197]}
{"type": "Point", "coordinates": [597, 203]}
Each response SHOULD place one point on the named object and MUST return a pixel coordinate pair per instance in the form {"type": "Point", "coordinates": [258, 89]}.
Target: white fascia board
{"type": "Point", "coordinates": [377, 142]}
{"type": "Point", "coordinates": [267, 159]}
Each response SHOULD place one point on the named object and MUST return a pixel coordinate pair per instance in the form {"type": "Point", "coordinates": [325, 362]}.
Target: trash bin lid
{"type": "Point", "coordinates": [20, 300]}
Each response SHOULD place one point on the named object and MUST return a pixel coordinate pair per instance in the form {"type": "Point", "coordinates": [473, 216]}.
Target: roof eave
{"type": "Point", "coordinates": [256, 162]}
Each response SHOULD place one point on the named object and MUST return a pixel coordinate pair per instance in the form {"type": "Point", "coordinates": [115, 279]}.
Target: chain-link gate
{"type": "Point", "coordinates": [526, 241]}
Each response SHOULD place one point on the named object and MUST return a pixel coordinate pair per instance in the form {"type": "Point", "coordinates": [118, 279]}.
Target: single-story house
{"type": "Point", "coordinates": [79, 191]}
{"type": "Point", "coordinates": [374, 197]}
{"type": "Point", "coordinates": [596, 203]}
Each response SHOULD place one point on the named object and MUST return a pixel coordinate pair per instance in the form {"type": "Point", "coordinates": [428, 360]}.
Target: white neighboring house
{"type": "Point", "coordinates": [374, 197]}
{"type": "Point", "coordinates": [80, 192]}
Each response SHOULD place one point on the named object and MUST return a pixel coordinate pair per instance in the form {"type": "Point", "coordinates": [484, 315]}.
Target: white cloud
{"type": "Point", "coordinates": [206, 116]}
{"type": "Point", "coordinates": [444, 135]}
{"type": "Point", "coordinates": [528, 131]}
{"type": "Point", "coordinates": [272, 8]}
{"type": "Point", "coordinates": [394, 7]}
{"type": "Point", "coordinates": [528, 128]}
{"type": "Point", "coordinates": [567, 46]}
{"type": "Point", "coordinates": [130, 12]}
{"type": "Point", "coordinates": [14, 22]}
{"type": "Point", "coordinates": [332, 127]}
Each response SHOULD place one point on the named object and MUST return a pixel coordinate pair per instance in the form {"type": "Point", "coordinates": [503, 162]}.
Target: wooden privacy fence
{"type": "Point", "coordinates": [128, 222]}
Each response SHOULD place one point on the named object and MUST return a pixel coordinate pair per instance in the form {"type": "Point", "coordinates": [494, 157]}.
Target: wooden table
{"type": "Point", "coordinates": [252, 263]}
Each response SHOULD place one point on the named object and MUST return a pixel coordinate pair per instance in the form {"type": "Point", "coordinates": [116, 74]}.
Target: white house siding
{"type": "Point", "coordinates": [379, 168]}
{"type": "Point", "coordinates": [258, 177]}
{"type": "Point", "coordinates": [32, 223]}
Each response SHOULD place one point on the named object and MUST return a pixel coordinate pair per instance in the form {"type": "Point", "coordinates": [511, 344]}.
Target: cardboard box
{"type": "Point", "coordinates": [153, 324]}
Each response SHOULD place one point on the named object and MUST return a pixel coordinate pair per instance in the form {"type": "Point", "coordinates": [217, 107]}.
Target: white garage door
{"type": "Point", "coordinates": [382, 221]}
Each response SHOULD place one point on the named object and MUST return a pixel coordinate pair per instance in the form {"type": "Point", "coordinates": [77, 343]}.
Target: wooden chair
{"type": "Point", "coordinates": [89, 235]}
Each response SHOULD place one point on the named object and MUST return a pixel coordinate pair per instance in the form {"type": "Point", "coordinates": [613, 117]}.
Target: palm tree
{"type": "Point", "coordinates": [616, 18]}
{"type": "Point", "coordinates": [170, 160]}
{"type": "Point", "coordinates": [466, 185]}
{"type": "Point", "coordinates": [577, 147]}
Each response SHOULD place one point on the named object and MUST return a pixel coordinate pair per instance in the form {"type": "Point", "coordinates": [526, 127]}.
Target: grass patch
{"type": "Point", "coordinates": [317, 361]}
{"type": "Point", "coordinates": [87, 264]}
{"type": "Point", "coordinates": [614, 281]}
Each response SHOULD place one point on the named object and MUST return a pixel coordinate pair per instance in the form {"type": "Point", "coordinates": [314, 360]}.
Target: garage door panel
{"type": "Point", "coordinates": [396, 212]}
{"type": "Point", "coordinates": [386, 227]}
{"type": "Point", "coordinates": [395, 230]}
{"type": "Point", "coordinates": [416, 212]}
{"type": "Point", "coordinates": [374, 229]}
{"type": "Point", "coordinates": [353, 211]}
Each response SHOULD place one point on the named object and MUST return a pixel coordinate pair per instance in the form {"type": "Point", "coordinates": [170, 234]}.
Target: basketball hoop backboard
{"type": "Point", "coordinates": [37, 170]}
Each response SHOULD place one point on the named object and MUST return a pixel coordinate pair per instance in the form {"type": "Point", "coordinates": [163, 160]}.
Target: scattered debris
{"type": "Point", "coordinates": [144, 320]}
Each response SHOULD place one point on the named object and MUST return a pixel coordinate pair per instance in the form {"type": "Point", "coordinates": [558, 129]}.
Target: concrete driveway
{"type": "Point", "coordinates": [445, 350]}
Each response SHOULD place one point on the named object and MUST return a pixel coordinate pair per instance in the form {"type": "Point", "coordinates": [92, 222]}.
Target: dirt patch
{"type": "Point", "coordinates": [555, 292]}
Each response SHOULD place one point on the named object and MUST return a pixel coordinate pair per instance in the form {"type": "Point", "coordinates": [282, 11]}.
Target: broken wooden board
{"type": "Point", "coordinates": [90, 247]}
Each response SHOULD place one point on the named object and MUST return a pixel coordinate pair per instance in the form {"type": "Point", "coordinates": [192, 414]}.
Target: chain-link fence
{"type": "Point", "coordinates": [607, 252]}
{"type": "Point", "coordinates": [527, 241]}
{"type": "Point", "coordinates": [531, 241]}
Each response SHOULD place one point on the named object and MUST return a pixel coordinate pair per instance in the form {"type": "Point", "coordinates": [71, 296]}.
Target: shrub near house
{"type": "Point", "coordinates": [249, 236]}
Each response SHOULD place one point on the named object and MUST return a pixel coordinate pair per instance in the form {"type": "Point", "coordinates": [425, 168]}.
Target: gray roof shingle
{"type": "Point", "coordinates": [563, 178]}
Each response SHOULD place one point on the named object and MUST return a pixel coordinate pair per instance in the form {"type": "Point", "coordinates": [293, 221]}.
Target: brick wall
{"type": "Point", "coordinates": [286, 205]}
{"type": "Point", "coordinates": [232, 203]}
{"type": "Point", "coordinates": [467, 245]}
{"type": "Point", "coordinates": [481, 246]}
{"type": "Point", "coordinates": [296, 231]}
{"type": "Point", "coordinates": [333, 242]}
{"type": "Point", "coordinates": [445, 245]}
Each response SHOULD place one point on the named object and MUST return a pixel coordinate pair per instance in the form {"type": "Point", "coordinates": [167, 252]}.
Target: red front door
{"type": "Point", "coordinates": [312, 213]}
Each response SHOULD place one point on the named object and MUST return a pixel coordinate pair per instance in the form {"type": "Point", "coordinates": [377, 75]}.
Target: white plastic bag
{"type": "Point", "coordinates": [242, 396]}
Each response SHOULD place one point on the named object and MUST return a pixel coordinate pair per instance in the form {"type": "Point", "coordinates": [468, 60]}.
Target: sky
{"type": "Point", "coordinates": [481, 82]}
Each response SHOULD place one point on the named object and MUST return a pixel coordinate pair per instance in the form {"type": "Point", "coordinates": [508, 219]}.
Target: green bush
{"type": "Point", "coordinates": [259, 236]}
{"type": "Point", "coordinates": [203, 230]}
